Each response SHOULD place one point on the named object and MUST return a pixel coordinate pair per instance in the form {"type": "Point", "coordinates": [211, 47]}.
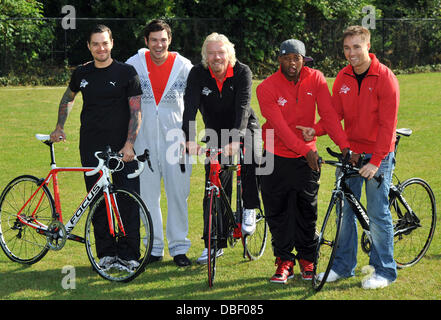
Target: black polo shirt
{"type": "Point", "coordinates": [105, 114]}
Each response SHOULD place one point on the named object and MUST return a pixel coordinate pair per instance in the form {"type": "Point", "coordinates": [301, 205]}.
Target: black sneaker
{"type": "Point", "coordinates": [154, 259]}
{"type": "Point", "coordinates": [181, 260]}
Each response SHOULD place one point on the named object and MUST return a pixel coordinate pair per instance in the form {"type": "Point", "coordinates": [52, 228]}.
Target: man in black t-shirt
{"type": "Point", "coordinates": [111, 116]}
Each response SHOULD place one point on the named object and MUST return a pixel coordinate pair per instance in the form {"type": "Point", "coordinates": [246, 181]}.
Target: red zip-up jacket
{"type": "Point", "coordinates": [369, 112]}
{"type": "Point", "coordinates": [285, 105]}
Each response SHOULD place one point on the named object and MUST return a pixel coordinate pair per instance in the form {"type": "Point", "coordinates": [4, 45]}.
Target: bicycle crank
{"type": "Point", "coordinates": [366, 242]}
{"type": "Point", "coordinates": [56, 235]}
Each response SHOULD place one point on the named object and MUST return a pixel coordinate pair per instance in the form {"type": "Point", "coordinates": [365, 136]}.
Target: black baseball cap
{"type": "Point", "coordinates": [294, 46]}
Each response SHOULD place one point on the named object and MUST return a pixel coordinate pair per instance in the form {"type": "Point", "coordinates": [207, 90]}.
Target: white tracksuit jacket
{"type": "Point", "coordinates": [158, 121]}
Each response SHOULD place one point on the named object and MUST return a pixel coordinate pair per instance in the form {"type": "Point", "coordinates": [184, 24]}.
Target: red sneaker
{"type": "Point", "coordinates": [284, 271]}
{"type": "Point", "coordinates": [306, 269]}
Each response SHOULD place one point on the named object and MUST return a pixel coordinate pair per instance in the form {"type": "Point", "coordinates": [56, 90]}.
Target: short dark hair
{"type": "Point", "coordinates": [157, 25]}
{"type": "Point", "coordinates": [100, 28]}
{"type": "Point", "coordinates": [363, 32]}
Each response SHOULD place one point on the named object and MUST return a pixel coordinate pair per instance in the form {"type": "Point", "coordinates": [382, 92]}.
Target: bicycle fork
{"type": "Point", "coordinates": [113, 212]}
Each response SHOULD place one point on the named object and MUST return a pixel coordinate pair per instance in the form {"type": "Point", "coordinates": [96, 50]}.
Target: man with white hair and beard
{"type": "Point", "coordinates": [220, 88]}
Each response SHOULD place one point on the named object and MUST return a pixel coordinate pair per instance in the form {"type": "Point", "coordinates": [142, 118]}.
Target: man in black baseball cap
{"type": "Point", "coordinates": [289, 100]}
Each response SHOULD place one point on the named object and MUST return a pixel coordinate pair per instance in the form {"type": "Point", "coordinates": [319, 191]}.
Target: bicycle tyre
{"type": "Point", "coordinates": [212, 239]}
{"type": "Point", "coordinates": [327, 243]}
{"type": "Point", "coordinates": [411, 246]}
{"type": "Point", "coordinates": [131, 207]}
{"type": "Point", "coordinates": [20, 242]}
{"type": "Point", "coordinates": [255, 243]}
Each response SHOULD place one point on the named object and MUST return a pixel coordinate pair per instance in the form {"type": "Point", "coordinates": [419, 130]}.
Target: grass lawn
{"type": "Point", "coordinates": [25, 111]}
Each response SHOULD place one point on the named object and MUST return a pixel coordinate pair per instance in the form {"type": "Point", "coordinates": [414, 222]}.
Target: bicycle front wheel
{"type": "Point", "coordinates": [212, 238]}
{"type": "Point", "coordinates": [20, 242]}
{"type": "Point", "coordinates": [121, 255]}
{"type": "Point", "coordinates": [255, 243]}
{"type": "Point", "coordinates": [327, 243]}
{"type": "Point", "coordinates": [414, 221]}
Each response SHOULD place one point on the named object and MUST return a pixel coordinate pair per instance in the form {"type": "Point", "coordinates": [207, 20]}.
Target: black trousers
{"type": "Point", "coordinates": [126, 248]}
{"type": "Point", "coordinates": [289, 197]}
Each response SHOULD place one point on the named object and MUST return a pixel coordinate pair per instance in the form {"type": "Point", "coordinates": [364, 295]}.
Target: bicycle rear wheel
{"type": "Point", "coordinates": [413, 230]}
{"type": "Point", "coordinates": [255, 243]}
{"type": "Point", "coordinates": [20, 242]}
{"type": "Point", "coordinates": [212, 238]}
{"type": "Point", "coordinates": [327, 243]}
{"type": "Point", "coordinates": [129, 249]}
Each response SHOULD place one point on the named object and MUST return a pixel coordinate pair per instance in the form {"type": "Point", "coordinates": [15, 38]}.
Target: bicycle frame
{"type": "Point", "coordinates": [214, 185]}
{"type": "Point", "coordinates": [360, 211]}
{"type": "Point", "coordinates": [103, 183]}
{"type": "Point", "coordinates": [405, 219]}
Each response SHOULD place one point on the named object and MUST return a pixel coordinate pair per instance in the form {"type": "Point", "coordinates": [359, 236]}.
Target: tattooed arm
{"type": "Point", "coordinates": [64, 109]}
{"type": "Point", "coordinates": [134, 125]}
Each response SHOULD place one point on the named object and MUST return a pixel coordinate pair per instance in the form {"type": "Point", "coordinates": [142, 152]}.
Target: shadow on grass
{"type": "Point", "coordinates": [160, 281]}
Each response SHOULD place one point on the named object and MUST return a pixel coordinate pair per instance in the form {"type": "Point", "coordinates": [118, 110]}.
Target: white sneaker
{"type": "Point", "coordinates": [107, 262]}
{"type": "Point", "coordinates": [203, 259]}
{"type": "Point", "coordinates": [375, 281]}
{"type": "Point", "coordinates": [332, 276]}
{"type": "Point", "coordinates": [249, 221]}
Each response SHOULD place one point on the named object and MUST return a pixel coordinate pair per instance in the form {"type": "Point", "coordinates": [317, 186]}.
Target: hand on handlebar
{"type": "Point", "coordinates": [368, 171]}
{"type": "Point", "coordinates": [127, 152]}
{"type": "Point", "coordinates": [231, 148]}
{"type": "Point", "coordinates": [193, 148]}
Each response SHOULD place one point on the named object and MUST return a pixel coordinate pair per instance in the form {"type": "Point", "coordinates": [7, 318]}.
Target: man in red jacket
{"type": "Point", "coordinates": [366, 97]}
{"type": "Point", "coordinates": [288, 100]}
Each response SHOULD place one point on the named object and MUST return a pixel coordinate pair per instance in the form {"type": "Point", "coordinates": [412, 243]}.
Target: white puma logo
{"type": "Point", "coordinates": [83, 83]}
{"type": "Point", "coordinates": [112, 83]}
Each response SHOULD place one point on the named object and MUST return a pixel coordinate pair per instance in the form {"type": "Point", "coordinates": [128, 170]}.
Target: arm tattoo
{"type": "Point", "coordinates": [65, 107]}
{"type": "Point", "coordinates": [135, 118]}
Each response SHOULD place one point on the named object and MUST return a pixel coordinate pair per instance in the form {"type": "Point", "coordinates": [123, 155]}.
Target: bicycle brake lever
{"type": "Point", "coordinates": [182, 158]}
{"type": "Point", "coordinates": [379, 179]}
{"type": "Point", "coordinates": [145, 157]}
{"type": "Point", "coordinates": [141, 159]}
{"type": "Point", "coordinates": [320, 161]}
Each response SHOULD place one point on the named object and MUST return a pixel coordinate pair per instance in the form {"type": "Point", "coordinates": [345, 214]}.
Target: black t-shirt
{"type": "Point", "coordinates": [360, 77]}
{"type": "Point", "coordinates": [105, 114]}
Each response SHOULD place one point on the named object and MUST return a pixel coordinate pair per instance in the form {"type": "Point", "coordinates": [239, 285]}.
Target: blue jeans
{"type": "Point", "coordinates": [381, 256]}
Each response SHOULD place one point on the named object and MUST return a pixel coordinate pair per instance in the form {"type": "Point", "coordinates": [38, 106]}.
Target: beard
{"type": "Point", "coordinates": [102, 58]}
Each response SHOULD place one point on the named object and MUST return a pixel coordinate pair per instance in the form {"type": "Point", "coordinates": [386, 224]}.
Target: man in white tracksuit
{"type": "Point", "coordinates": [163, 77]}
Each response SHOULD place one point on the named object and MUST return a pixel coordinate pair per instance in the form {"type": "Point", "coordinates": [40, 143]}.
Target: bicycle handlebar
{"type": "Point", "coordinates": [107, 155]}
{"type": "Point", "coordinates": [344, 163]}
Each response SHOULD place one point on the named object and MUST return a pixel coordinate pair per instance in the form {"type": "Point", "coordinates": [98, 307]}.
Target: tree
{"type": "Point", "coordinates": [23, 33]}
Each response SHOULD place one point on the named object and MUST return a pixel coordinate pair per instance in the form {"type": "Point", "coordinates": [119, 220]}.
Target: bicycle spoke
{"type": "Point", "coordinates": [129, 250]}
{"type": "Point", "coordinates": [20, 242]}
{"type": "Point", "coordinates": [414, 222]}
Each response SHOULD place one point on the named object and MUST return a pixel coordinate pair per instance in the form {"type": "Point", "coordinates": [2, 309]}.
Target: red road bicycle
{"type": "Point", "coordinates": [31, 220]}
{"type": "Point", "coordinates": [219, 205]}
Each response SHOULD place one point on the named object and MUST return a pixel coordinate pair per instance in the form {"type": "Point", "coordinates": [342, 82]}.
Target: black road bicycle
{"type": "Point", "coordinates": [413, 209]}
{"type": "Point", "coordinates": [219, 205]}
